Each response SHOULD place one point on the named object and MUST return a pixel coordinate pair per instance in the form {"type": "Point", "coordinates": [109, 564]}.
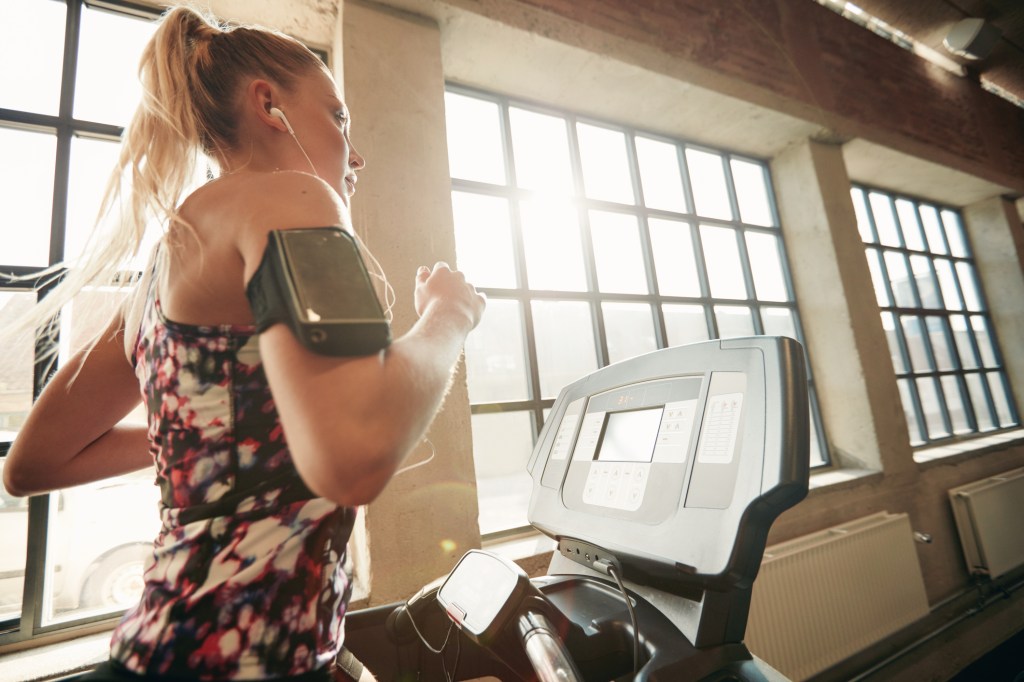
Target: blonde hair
{"type": "Point", "coordinates": [192, 71]}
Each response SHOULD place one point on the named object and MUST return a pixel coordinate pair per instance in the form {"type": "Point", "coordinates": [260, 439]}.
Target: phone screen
{"type": "Point", "coordinates": [330, 279]}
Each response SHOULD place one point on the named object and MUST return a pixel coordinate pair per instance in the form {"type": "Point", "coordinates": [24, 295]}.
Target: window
{"type": "Point", "coordinates": [73, 557]}
{"type": "Point", "coordinates": [948, 366]}
{"type": "Point", "coordinates": [595, 243]}
{"type": "Point", "coordinates": [65, 561]}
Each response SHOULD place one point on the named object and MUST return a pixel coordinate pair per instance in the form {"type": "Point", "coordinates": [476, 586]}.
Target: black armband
{"type": "Point", "coordinates": [314, 281]}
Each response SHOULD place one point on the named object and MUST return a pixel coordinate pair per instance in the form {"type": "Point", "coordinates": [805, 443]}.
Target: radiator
{"type": "Point", "coordinates": [823, 597]}
{"type": "Point", "coordinates": [988, 517]}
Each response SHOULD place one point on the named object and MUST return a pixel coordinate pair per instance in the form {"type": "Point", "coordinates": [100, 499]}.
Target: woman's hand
{"type": "Point", "coordinates": [450, 292]}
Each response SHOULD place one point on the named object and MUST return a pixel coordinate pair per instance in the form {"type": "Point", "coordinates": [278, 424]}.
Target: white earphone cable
{"type": "Point", "coordinates": [375, 267]}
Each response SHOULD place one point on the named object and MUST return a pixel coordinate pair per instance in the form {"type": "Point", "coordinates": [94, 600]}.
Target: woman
{"type": "Point", "coordinates": [245, 580]}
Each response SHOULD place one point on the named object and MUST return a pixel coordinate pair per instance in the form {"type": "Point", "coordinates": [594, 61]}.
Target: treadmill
{"type": "Point", "coordinates": [659, 478]}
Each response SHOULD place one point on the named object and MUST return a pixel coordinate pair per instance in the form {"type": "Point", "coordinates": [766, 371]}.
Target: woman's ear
{"type": "Point", "coordinates": [260, 98]}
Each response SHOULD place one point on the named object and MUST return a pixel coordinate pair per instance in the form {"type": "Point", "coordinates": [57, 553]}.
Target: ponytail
{"type": "Point", "coordinates": [191, 71]}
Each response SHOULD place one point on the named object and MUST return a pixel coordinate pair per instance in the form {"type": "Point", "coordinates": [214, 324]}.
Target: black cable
{"type": "Point", "coordinates": [423, 639]}
{"type": "Point", "coordinates": [632, 618]}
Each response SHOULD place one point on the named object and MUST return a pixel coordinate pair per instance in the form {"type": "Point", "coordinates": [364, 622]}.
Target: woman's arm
{"type": "Point", "coordinates": [71, 434]}
{"type": "Point", "coordinates": [351, 421]}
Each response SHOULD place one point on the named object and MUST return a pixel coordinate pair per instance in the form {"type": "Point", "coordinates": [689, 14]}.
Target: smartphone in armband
{"type": "Point", "coordinates": [314, 280]}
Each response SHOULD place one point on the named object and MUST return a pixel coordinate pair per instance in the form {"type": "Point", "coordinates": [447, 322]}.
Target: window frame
{"type": "Point", "coordinates": [909, 375]}
{"type": "Point", "coordinates": [537, 405]}
{"type": "Point", "coordinates": [65, 127]}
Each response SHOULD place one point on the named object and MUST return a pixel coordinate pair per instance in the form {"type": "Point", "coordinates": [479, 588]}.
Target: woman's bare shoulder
{"type": "Point", "coordinates": [289, 199]}
{"type": "Point", "coordinates": [265, 201]}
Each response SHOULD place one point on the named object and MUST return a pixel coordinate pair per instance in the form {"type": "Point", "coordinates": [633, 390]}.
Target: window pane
{"type": "Point", "coordinates": [899, 278]}
{"type": "Point", "coordinates": [617, 253]}
{"type": "Point", "coordinates": [751, 193]}
{"type": "Point", "coordinates": [33, 29]}
{"type": "Point", "coordinates": [565, 343]}
{"type": "Point", "coordinates": [483, 239]}
{"type": "Point", "coordinates": [502, 444]}
{"type": "Point", "coordinates": [954, 234]}
{"type": "Point", "coordinates": [108, 52]}
{"type": "Point", "coordinates": [92, 161]}
{"type": "Point", "coordinates": [940, 344]}
{"type": "Point", "coordinates": [875, 266]}
{"type": "Point", "coordinates": [909, 224]}
{"type": "Point", "coordinates": [672, 245]}
{"type": "Point", "coordinates": [541, 149]}
{"type": "Point", "coordinates": [554, 254]}
{"type": "Point", "coordinates": [881, 210]}
{"type": "Point", "coordinates": [707, 178]}
{"type": "Point", "coordinates": [926, 286]}
{"type": "Point", "coordinates": [685, 324]}
{"type": "Point", "coordinates": [933, 230]}
{"type": "Point", "coordinates": [26, 195]}
{"type": "Point", "coordinates": [984, 339]}
{"type": "Point", "coordinates": [999, 396]}
{"type": "Point", "coordinates": [722, 257]}
{"type": "Point", "coordinates": [14, 531]}
{"type": "Point", "coordinates": [962, 337]}
{"type": "Point", "coordinates": [980, 402]}
{"type": "Point", "coordinates": [99, 541]}
{"type": "Point", "coordinates": [733, 320]}
{"type": "Point", "coordinates": [955, 404]}
{"type": "Point", "coordinates": [889, 325]}
{"type": "Point", "coordinates": [860, 208]}
{"type": "Point", "coordinates": [15, 365]}
{"type": "Point", "coordinates": [474, 139]}
{"type": "Point", "coordinates": [495, 357]}
{"type": "Point", "coordinates": [932, 409]}
{"type": "Point", "coordinates": [766, 264]}
{"type": "Point", "coordinates": [908, 410]}
{"type": "Point", "coordinates": [947, 283]}
{"type": "Point", "coordinates": [778, 322]}
{"type": "Point", "coordinates": [629, 328]}
{"type": "Point", "coordinates": [100, 535]}
{"type": "Point", "coordinates": [660, 176]}
{"type": "Point", "coordinates": [915, 343]}
{"type": "Point", "coordinates": [968, 285]}
{"type": "Point", "coordinates": [605, 164]}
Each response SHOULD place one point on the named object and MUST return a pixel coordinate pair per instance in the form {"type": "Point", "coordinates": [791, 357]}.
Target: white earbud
{"type": "Point", "coordinates": [278, 114]}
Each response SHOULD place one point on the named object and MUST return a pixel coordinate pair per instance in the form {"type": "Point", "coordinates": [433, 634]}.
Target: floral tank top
{"type": "Point", "coordinates": [246, 578]}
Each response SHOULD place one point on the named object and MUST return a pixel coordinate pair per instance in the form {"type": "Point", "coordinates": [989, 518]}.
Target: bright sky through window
{"type": "Point", "coordinates": [595, 243]}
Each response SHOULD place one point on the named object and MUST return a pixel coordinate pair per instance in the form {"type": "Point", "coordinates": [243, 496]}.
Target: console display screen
{"type": "Point", "coordinates": [630, 436]}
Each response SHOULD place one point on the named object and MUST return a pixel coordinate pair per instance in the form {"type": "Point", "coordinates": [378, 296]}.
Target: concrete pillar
{"type": "Point", "coordinates": [850, 359]}
{"type": "Point", "coordinates": [394, 86]}
{"type": "Point", "coordinates": [997, 239]}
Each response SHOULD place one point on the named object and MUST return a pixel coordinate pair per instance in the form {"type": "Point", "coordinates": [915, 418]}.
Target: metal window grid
{"type": "Point", "coordinates": [65, 127]}
{"type": "Point", "coordinates": [916, 365]}
{"type": "Point", "coordinates": [536, 404]}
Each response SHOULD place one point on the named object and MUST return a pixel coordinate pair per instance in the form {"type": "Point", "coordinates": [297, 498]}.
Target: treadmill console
{"type": "Point", "coordinates": [675, 463]}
